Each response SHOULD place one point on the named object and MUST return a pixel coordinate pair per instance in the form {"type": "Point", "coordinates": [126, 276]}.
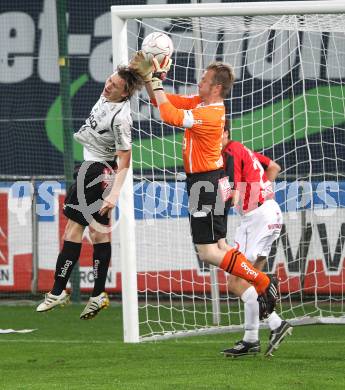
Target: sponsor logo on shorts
{"type": "Point", "coordinates": [199, 214]}
{"type": "Point", "coordinates": [248, 270]}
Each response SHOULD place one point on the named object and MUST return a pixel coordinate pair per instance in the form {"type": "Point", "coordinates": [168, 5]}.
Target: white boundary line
{"type": "Point", "coordinates": [177, 341]}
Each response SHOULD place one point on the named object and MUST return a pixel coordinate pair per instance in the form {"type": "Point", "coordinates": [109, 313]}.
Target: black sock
{"type": "Point", "coordinates": [101, 260]}
{"type": "Point", "coordinates": [66, 260]}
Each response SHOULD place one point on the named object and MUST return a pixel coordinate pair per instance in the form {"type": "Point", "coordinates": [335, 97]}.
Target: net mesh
{"type": "Point", "coordinates": [287, 102]}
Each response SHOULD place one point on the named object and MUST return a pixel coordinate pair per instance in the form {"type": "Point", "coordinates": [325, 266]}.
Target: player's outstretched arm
{"type": "Point", "coordinates": [154, 74]}
{"type": "Point", "coordinates": [272, 170]}
{"type": "Point", "coordinates": [232, 167]}
{"type": "Point", "coordinates": [142, 66]}
{"type": "Point", "coordinates": [158, 76]}
{"type": "Point", "coordinates": [235, 198]}
{"type": "Point", "coordinates": [149, 90]}
{"type": "Point", "coordinates": [124, 160]}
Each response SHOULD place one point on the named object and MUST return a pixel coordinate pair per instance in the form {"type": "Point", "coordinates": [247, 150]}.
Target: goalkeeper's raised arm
{"type": "Point", "coordinates": [154, 74]}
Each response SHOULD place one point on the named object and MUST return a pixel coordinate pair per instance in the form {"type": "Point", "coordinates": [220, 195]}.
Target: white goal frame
{"type": "Point", "coordinates": [119, 17]}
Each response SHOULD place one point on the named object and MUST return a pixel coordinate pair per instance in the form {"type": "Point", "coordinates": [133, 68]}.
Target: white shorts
{"type": "Point", "coordinates": [258, 230]}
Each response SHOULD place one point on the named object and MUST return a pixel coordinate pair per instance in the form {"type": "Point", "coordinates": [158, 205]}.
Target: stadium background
{"type": "Point", "coordinates": [29, 77]}
{"type": "Point", "coordinates": [31, 136]}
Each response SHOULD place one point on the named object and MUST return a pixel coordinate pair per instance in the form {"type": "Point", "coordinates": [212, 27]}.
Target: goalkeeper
{"type": "Point", "coordinates": [203, 118]}
{"type": "Point", "coordinates": [252, 175]}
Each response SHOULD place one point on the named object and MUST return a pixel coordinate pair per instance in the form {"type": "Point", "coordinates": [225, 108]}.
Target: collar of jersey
{"type": "Point", "coordinates": [105, 100]}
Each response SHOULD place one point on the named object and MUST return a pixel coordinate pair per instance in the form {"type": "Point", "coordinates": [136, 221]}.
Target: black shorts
{"type": "Point", "coordinates": [85, 196]}
{"type": "Point", "coordinates": [207, 216]}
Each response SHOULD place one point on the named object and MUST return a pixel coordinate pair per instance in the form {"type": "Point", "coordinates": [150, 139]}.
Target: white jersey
{"type": "Point", "coordinates": [106, 130]}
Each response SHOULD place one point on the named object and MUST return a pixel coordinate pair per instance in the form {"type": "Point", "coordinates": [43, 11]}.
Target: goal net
{"type": "Point", "coordinates": [288, 103]}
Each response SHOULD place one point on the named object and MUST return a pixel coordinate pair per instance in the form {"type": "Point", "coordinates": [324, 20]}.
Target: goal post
{"type": "Point", "coordinates": [126, 217]}
{"type": "Point", "coordinates": [287, 102]}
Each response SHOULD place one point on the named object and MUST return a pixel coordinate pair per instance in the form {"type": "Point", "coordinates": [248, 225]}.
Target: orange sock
{"type": "Point", "coordinates": [234, 262]}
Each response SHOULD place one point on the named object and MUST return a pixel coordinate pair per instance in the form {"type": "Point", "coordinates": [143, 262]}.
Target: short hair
{"type": "Point", "coordinates": [224, 75]}
{"type": "Point", "coordinates": [133, 81]}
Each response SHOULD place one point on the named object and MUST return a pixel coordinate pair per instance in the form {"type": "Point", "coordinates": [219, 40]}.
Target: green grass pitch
{"type": "Point", "coordinates": [67, 353]}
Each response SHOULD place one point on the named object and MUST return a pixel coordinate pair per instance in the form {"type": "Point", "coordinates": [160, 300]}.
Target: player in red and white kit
{"type": "Point", "coordinates": [252, 175]}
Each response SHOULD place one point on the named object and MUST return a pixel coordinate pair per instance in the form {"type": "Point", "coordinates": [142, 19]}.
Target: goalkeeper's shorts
{"type": "Point", "coordinates": [207, 210]}
{"type": "Point", "coordinates": [85, 196]}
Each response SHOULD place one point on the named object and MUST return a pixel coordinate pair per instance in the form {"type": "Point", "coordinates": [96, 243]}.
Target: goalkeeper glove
{"type": "Point", "coordinates": [140, 65]}
{"type": "Point", "coordinates": [160, 72]}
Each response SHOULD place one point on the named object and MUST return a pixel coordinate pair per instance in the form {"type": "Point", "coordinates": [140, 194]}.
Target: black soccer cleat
{"type": "Point", "coordinates": [277, 336]}
{"type": "Point", "coordinates": [243, 348]}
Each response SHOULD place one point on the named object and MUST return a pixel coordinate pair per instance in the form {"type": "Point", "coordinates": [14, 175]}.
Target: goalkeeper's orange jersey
{"type": "Point", "coordinates": [204, 126]}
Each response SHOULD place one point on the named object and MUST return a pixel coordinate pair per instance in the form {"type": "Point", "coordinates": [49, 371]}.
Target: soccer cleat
{"type": "Point", "coordinates": [94, 305]}
{"type": "Point", "coordinates": [243, 348]}
{"type": "Point", "coordinates": [51, 301]}
{"type": "Point", "coordinates": [277, 336]}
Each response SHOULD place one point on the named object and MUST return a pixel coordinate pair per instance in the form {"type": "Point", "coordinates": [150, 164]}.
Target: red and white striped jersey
{"type": "Point", "coordinates": [246, 169]}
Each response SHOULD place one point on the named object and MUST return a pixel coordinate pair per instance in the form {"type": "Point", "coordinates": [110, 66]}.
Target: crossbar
{"type": "Point", "coordinates": [229, 9]}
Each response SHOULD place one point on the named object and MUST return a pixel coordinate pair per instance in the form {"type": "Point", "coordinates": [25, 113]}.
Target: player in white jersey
{"type": "Point", "coordinates": [106, 137]}
{"type": "Point", "coordinates": [252, 175]}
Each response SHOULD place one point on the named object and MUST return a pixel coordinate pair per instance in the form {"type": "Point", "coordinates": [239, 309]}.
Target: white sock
{"type": "Point", "coordinates": [251, 315]}
{"type": "Point", "coordinates": [274, 321]}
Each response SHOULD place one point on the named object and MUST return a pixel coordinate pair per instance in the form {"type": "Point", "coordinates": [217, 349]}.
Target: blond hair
{"type": "Point", "coordinates": [224, 75]}
{"type": "Point", "coordinates": [133, 81]}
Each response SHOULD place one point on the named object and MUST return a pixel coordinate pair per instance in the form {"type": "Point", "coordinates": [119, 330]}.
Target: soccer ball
{"type": "Point", "coordinates": [157, 45]}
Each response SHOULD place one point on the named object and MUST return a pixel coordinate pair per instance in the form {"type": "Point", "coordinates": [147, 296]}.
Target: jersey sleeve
{"type": "Point", "coordinates": [123, 135]}
{"type": "Point", "coordinates": [175, 116]}
{"type": "Point", "coordinates": [184, 102]}
{"type": "Point", "coordinates": [237, 171]}
{"type": "Point", "coordinates": [229, 166]}
{"type": "Point", "coordinates": [233, 167]}
{"type": "Point", "coordinates": [180, 101]}
{"type": "Point", "coordinates": [202, 119]}
{"type": "Point", "coordinates": [264, 160]}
